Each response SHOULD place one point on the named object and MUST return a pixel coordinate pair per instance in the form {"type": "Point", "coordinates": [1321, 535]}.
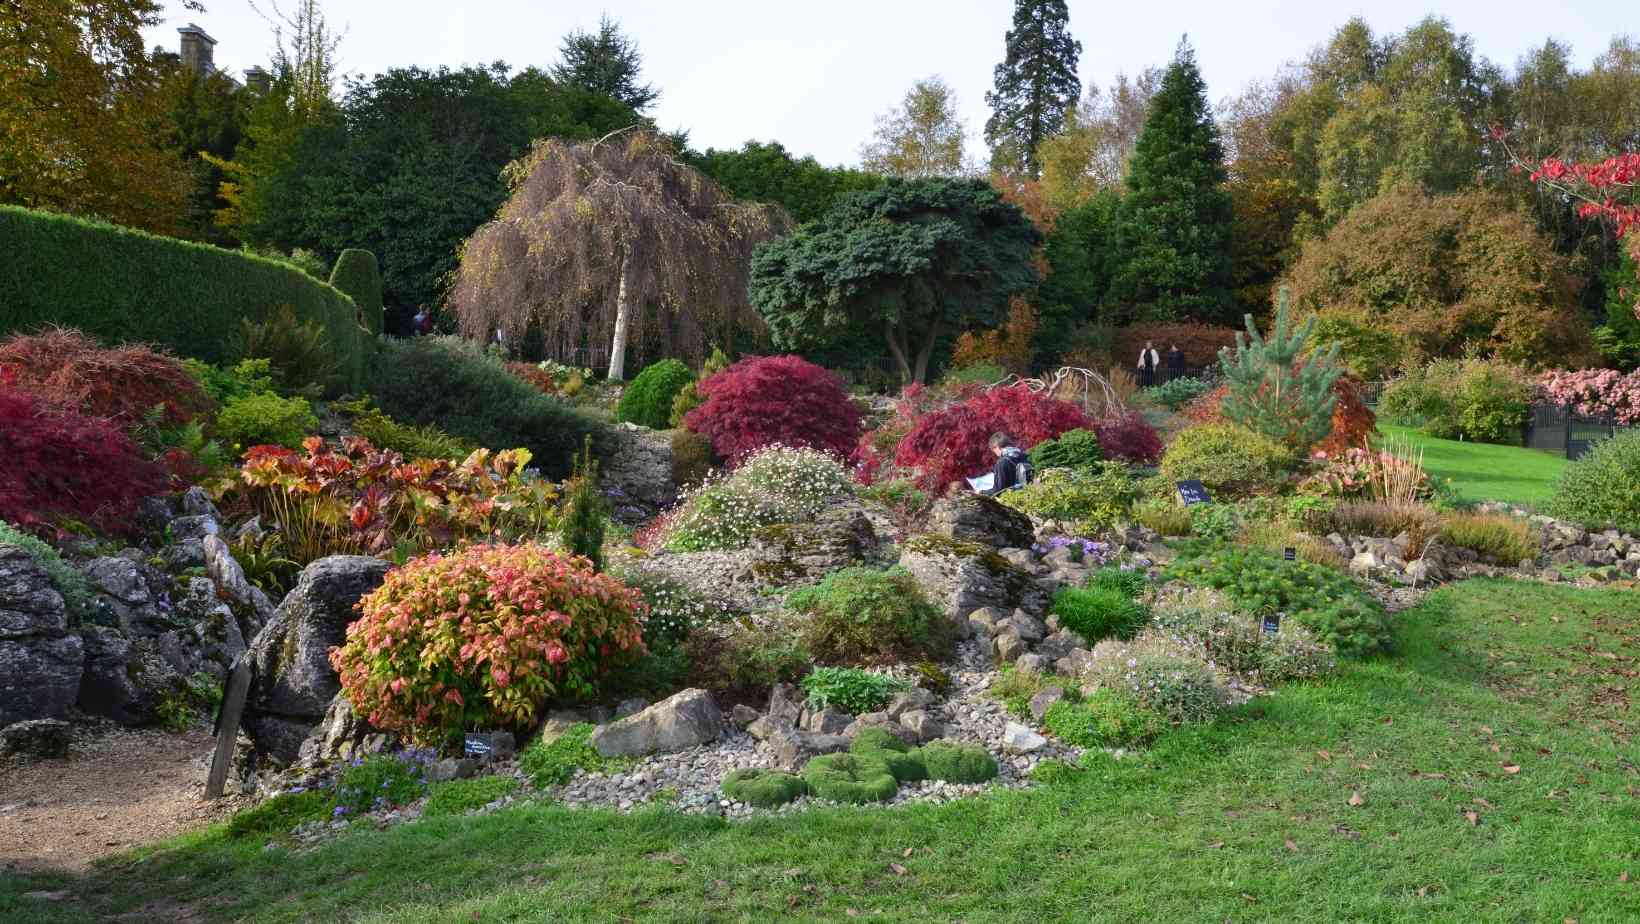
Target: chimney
{"type": "Point", "coordinates": [258, 80]}
{"type": "Point", "coordinates": [197, 54]}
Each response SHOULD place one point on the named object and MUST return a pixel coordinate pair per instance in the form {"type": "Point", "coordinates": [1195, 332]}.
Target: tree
{"type": "Point", "coordinates": [1279, 386]}
{"type": "Point", "coordinates": [767, 172]}
{"type": "Point", "coordinates": [1446, 274]}
{"type": "Point", "coordinates": [605, 62]}
{"type": "Point", "coordinates": [913, 259]}
{"type": "Point", "coordinates": [1267, 205]}
{"type": "Point", "coordinates": [613, 241]}
{"type": "Point", "coordinates": [205, 114]}
{"type": "Point", "coordinates": [1035, 85]}
{"type": "Point", "coordinates": [79, 98]}
{"type": "Point", "coordinates": [923, 137]}
{"type": "Point", "coordinates": [1080, 251]}
{"type": "Point", "coordinates": [1174, 231]}
{"type": "Point", "coordinates": [1093, 150]}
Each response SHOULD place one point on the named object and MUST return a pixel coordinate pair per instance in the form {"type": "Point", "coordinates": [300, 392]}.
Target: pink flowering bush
{"type": "Point", "coordinates": [482, 637]}
{"type": "Point", "coordinates": [1595, 393]}
{"type": "Point", "coordinates": [1365, 473]}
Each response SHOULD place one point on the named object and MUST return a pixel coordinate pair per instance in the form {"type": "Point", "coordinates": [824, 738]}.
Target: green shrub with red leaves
{"type": "Point", "coordinates": [483, 637]}
{"type": "Point", "coordinates": [767, 400]}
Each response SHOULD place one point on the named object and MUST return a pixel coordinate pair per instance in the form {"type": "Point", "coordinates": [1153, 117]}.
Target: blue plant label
{"type": "Point", "coordinates": [1192, 492]}
{"type": "Point", "coordinates": [1272, 623]}
{"type": "Point", "coordinates": [1290, 553]}
{"type": "Point", "coordinates": [477, 745]}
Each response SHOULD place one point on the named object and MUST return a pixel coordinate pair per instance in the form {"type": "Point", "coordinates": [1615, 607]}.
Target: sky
{"type": "Point", "coordinates": [813, 76]}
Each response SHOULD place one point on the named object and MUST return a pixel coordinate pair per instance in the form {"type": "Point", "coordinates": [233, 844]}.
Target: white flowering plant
{"type": "Point", "coordinates": [778, 484]}
{"type": "Point", "coordinates": [1166, 677]}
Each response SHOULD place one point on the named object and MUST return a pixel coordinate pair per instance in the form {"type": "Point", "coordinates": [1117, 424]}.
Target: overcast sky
{"type": "Point", "coordinates": [813, 75]}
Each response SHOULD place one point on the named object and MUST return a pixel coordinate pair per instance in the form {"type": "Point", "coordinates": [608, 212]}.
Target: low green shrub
{"type": "Point", "coordinates": [75, 589]}
{"type": "Point", "coordinates": [951, 762]}
{"type": "Point", "coordinates": [1238, 643]}
{"type": "Point", "coordinates": [692, 457]}
{"type": "Point", "coordinates": [377, 782]}
{"type": "Point", "coordinates": [1213, 521]}
{"type": "Point", "coordinates": [424, 442]}
{"type": "Point", "coordinates": [851, 778]}
{"type": "Point", "coordinates": [553, 763]}
{"type": "Point", "coordinates": [451, 384]}
{"type": "Point", "coordinates": [1322, 600]}
{"type": "Point", "coordinates": [1074, 449]}
{"type": "Point", "coordinates": [1227, 460]}
{"type": "Point", "coordinates": [265, 419]}
{"type": "Point", "coordinates": [1099, 613]}
{"type": "Point", "coordinates": [1131, 582]}
{"type": "Point", "coordinates": [851, 689]}
{"type": "Point", "coordinates": [1484, 400]}
{"type": "Point", "coordinates": [1176, 393]}
{"type": "Point", "coordinates": [1088, 499]}
{"type": "Point", "coordinates": [246, 377]}
{"type": "Point", "coordinates": [1165, 680]}
{"type": "Point", "coordinates": [277, 815]}
{"type": "Point", "coordinates": [748, 660]}
{"type": "Point", "coordinates": [763, 788]}
{"type": "Point", "coordinates": [1016, 688]}
{"type": "Point", "coordinates": [300, 358]}
{"type": "Point", "coordinates": [1602, 488]}
{"type": "Point", "coordinates": [1497, 537]}
{"type": "Point", "coordinates": [859, 614]}
{"type": "Point", "coordinates": [1104, 719]}
{"type": "Point", "coordinates": [1167, 517]}
{"type": "Point", "coordinates": [647, 400]}
{"type": "Point", "coordinates": [458, 797]}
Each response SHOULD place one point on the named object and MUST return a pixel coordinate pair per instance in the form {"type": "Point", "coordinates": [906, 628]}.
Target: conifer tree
{"type": "Point", "coordinates": [584, 519]}
{"type": "Point", "coordinates": [1173, 235]}
{"type": "Point", "coordinates": [605, 62]}
{"type": "Point", "coordinates": [1036, 84]}
{"type": "Point", "coordinates": [1278, 386]}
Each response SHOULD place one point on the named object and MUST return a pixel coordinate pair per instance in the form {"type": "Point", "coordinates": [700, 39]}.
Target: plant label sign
{"type": "Point", "coordinates": [1272, 623]}
{"type": "Point", "coordinates": [1290, 553]}
{"type": "Point", "coordinates": [1192, 492]}
{"type": "Point", "coordinates": [476, 745]}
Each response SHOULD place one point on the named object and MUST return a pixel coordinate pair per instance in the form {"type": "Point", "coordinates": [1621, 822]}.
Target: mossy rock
{"type": "Point", "coordinates": [763, 788]}
{"type": "Point", "coordinates": [958, 763]}
{"type": "Point", "coordinates": [877, 739]}
{"type": "Point", "coordinates": [851, 778]}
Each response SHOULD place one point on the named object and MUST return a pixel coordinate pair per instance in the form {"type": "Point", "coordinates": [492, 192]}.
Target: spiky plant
{"type": "Point", "coordinates": [1279, 385]}
{"type": "Point", "coordinates": [585, 521]}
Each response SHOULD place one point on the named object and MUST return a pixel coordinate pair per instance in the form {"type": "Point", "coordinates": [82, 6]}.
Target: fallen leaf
{"type": "Point", "coordinates": [1355, 798]}
{"type": "Point", "coordinates": [1288, 843]}
{"type": "Point", "coordinates": [1474, 818]}
{"type": "Point", "coordinates": [1483, 803]}
{"type": "Point", "coordinates": [909, 851]}
{"type": "Point", "coordinates": [1495, 749]}
{"type": "Point", "coordinates": [1485, 730]}
{"type": "Point", "coordinates": [791, 901]}
{"type": "Point", "coordinates": [672, 858]}
{"type": "Point", "coordinates": [1324, 755]}
{"type": "Point", "coordinates": [898, 869]}
{"type": "Point", "coordinates": [792, 873]}
{"type": "Point", "coordinates": [1248, 897]}
{"type": "Point", "coordinates": [1623, 876]}
{"type": "Point", "coordinates": [1215, 845]}
{"type": "Point", "coordinates": [853, 913]}
{"type": "Point", "coordinates": [1422, 891]}
{"type": "Point", "coordinates": [1510, 769]}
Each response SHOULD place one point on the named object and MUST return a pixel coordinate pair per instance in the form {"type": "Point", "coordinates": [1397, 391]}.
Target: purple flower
{"type": "Point", "coordinates": [339, 812]}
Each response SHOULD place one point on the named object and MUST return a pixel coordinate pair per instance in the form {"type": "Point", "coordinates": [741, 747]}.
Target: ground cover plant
{"type": "Point", "coordinates": [1084, 499]}
{"type": "Point", "coordinates": [850, 689]}
{"type": "Point", "coordinates": [859, 615]}
{"type": "Point", "coordinates": [777, 484]}
{"type": "Point", "coordinates": [1479, 704]}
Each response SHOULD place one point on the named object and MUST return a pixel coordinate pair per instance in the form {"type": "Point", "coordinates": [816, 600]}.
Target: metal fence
{"type": "Point", "coordinates": [1551, 427]}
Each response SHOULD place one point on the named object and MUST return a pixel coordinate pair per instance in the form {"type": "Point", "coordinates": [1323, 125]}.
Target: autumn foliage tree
{"type": "Point", "coordinates": [765, 400]}
{"type": "Point", "coordinates": [614, 241]}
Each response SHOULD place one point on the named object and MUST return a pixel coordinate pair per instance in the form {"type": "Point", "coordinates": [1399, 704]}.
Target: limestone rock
{"type": "Point", "coordinates": [792, 748]}
{"type": "Point", "coordinates": [827, 722]}
{"type": "Point", "coordinates": [341, 735]}
{"type": "Point", "coordinates": [792, 553]}
{"type": "Point", "coordinates": [40, 662]}
{"type": "Point", "coordinates": [965, 576]}
{"type": "Point", "coordinates": [1008, 647]}
{"type": "Point", "coordinates": [1022, 739]}
{"type": "Point", "coordinates": [743, 715]}
{"type": "Point", "coordinates": [638, 473]}
{"type": "Point", "coordinates": [683, 720]}
{"type": "Point", "coordinates": [1032, 664]}
{"type": "Point", "coordinates": [786, 703]}
{"type": "Point", "coordinates": [911, 700]}
{"type": "Point", "coordinates": [253, 606]}
{"type": "Point", "coordinates": [973, 517]}
{"type": "Point", "coordinates": [923, 724]}
{"type": "Point", "coordinates": [37, 739]}
{"type": "Point", "coordinates": [1044, 700]}
{"type": "Point", "coordinates": [451, 768]}
{"type": "Point", "coordinates": [194, 528]}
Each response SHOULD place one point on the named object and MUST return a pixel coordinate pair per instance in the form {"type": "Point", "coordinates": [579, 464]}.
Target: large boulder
{"type": "Point", "coordinates": [40, 661]}
{"type": "Point", "coordinates": [122, 587]}
{"type": "Point", "coordinates": [967, 576]}
{"type": "Point", "coordinates": [638, 475]}
{"type": "Point", "coordinates": [793, 553]}
{"type": "Point", "coordinates": [973, 517]}
{"type": "Point", "coordinates": [683, 720]}
{"type": "Point", "coordinates": [126, 679]}
{"type": "Point", "coordinates": [213, 634]}
{"type": "Point", "coordinates": [293, 683]}
{"type": "Point", "coordinates": [250, 604]}
{"type": "Point", "coordinates": [37, 739]}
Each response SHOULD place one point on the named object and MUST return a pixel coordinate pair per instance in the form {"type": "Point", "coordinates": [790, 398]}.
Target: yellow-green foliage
{"type": "Point", "coordinates": [1227, 459]}
{"type": "Point", "coordinates": [1497, 536]}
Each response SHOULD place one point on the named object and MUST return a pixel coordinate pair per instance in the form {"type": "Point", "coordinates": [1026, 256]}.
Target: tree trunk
{"type": "Point", "coordinates": [895, 347]}
{"type": "Point", "coordinates": [623, 318]}
{"type": "Point", "coordinates": [926, 352]}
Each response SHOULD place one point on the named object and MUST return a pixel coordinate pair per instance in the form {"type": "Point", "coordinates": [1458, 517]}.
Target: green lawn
{"type": "Point", "coordinates": [1482, 471]}
{"type": "Point", "coordinates": [1492, 757]}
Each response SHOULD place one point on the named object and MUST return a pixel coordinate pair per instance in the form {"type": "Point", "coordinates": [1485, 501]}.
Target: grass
{"type": "Point", "coordinates": [1485, 772]}
{"type": "Point", "coordinates": [1486, 472]}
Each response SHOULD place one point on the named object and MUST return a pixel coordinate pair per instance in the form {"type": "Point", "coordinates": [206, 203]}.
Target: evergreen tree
{"type": "Point", "coordinates": [1036, 84]}
{"type": "Point", "coordinates": [605, 62]}
{"type": "Point", "coordinates": [1279, 386]}
{"type": "Point", "coordinates": [1173, 234]}
{"type": "Point", "coordinates": [586, 517]}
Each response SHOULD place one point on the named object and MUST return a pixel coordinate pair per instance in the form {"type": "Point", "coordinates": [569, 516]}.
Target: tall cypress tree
{"type": "Point", "coordinates": [1173, 233]}
{"type": "Point", "coordinates": [1035, 84]}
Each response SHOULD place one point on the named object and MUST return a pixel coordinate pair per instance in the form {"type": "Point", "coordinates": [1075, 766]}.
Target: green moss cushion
{"type": "Point", "coordinates": [852, 778]}
{"type": "Point", "coordinates": [958, 763]}
{"type": "Point", "coordinates": [763, 788]}
{"type": "Point", "coordinates": [877, 739]}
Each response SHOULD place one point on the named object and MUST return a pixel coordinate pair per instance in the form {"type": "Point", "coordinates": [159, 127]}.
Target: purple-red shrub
{"type": "Point", "coordinates": [56, 464]}
{"type": "Point", "coordinates": [480, 638]}
{"type": "Point", "coordinates": [763, 400]}
{"type": "Point", "coordinates": [123, 384]}
{"type": "Point", "coordinates": [1128, 437]}
{"type": "Point", "coordinates": [951, 443]}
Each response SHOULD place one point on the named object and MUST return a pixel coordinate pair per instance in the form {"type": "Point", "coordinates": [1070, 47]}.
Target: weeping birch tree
{"type": "Point", "coordinates": [613, 241]}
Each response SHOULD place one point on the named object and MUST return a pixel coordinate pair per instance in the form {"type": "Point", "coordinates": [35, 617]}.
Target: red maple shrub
{"type": "Point", "coordinates": [123, 384]}
{"type": "Point", "coordinates": [60, 464]}
{"type": "Point", "coordinates": [950, 443]}
{"type": "Point", "coordinates": [1353, 423]}
{"type": "Point", "coordinates": [535, 375]}
{"type": "Point", "coordinates": [763, 400]}
{"type": "Point", "coordinates": [1129, 437]}
{"type": "Point", "coordinates": [483, 636]}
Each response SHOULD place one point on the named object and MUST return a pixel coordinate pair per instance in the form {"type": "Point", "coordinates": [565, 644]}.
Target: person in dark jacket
{"type": "Point", "coordinates": [1011, 460]}
{"type": "Point", "coordinates": [1175, 363]}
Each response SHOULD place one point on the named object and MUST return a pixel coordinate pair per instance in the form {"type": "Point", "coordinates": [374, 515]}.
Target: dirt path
{"type": "Point", "coordinates": [118, 788]}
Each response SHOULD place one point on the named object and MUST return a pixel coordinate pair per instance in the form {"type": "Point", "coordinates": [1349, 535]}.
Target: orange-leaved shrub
{"type": "Point", "coordinates": [482, 637]}
{"type": "Point", "coordinates": [123, 384]}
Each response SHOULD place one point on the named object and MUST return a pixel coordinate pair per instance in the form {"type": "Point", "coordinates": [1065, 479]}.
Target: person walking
{"type": "Point", "coordinates": [1175, 363]}
{"type": "Point", "coordinates": [1149, 359]}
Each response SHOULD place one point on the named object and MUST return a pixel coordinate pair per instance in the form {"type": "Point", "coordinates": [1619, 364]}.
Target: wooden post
{"type": "Point", "coordinates": [227, 727]}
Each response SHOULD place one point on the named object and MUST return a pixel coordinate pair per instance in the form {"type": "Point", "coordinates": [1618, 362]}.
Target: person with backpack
{"type": "Point", "coordinates": [1013, 468]}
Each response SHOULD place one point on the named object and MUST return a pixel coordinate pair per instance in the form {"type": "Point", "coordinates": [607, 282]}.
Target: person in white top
{"type": "Point", "coordinates": [1149, 359]}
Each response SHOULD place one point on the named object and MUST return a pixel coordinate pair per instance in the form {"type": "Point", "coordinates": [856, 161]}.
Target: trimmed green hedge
{"type": "Point", "coordinates": [121, 285]}
{"type": "Point", "coordinates": [357, 275]}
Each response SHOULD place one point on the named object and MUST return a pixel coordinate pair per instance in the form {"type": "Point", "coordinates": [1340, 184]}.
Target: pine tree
{"type": "Point", "coordinates": [605, 62]}
{"type": "Point", "coordinates": [1278, 386]}
{"type": "Point", "coordinates": [585, 519]}
{"type": "Point", "coordinates": [1036, 84]}
{"type": "Point", "coordinates": [1174, 231]}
